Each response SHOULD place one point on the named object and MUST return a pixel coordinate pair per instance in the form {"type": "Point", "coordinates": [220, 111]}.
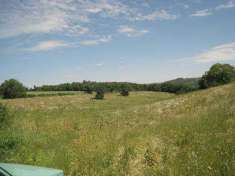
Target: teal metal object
{"type": "Point", "coordinates": [25, 170]}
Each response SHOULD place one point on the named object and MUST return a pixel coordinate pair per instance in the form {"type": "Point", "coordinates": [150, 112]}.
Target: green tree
{"type": "Point", "coordinates": [217, 75]}
{"type": "Point", "coordinates": [99, 94]}
{"type": "Point", "coordinates": [13, 89]}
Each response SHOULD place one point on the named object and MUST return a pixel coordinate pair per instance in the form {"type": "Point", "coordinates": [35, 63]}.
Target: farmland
{"type": "Point", "coordinates": [146, 133]}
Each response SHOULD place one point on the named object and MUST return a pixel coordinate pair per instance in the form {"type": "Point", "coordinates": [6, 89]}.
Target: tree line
{"type": "Point", "coordinates": [218, 74]}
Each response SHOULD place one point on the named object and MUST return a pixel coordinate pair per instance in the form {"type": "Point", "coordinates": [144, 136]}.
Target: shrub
{"type": "Point", "coordinates": [13, 89]}
{"type": "Point", "coordinates": [124, 92]}
{"type": "Point", "coordinates": [217, 75]}
{"type": "Point", "coordinates": [99, 94]}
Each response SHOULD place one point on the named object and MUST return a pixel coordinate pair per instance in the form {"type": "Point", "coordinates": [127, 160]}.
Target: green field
{"type": "Point", "coordinates": [144, 134]}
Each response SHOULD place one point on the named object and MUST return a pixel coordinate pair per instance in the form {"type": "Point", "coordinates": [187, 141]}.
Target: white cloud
{"type": "Point", "coordinates": [222, 52]}
{"type": "Point", "coordinates": [104, 39]}
{"type": "Point", "coordinates": [48, 45]}
{"type": "Point", "coordinates": [161, 15]}
{"type": "Point", "coordinates": [131, 32]}
{"type": "Point", "coordinates": [229, 4]}
{"type": "Point", "coordinates": [202, 13]}
{"type": "Point", "coordinates": [32, 17]}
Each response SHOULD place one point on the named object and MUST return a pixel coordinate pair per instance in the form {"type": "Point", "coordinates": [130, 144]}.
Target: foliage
{"type": "Point", "coordinates": [88, 89]}
{"type": "Point", "coordinates": [13, 89]}
{"type": "Point", "coordinates": [179, 85]}
{"type": "Point", "coordinates": [125, 91]}
{"type": "Point", "coordinates": [217, 75]}
{"type": "Point", "coordinates": [99, 94]}
{"type": "Point", "coordinates": [90, 86]}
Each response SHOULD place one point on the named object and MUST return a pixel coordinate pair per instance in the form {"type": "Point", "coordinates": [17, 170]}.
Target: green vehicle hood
{"type": "Point", "coordinates": [25, 170]}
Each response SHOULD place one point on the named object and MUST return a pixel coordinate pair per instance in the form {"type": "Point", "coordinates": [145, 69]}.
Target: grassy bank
{"type": "Point", "coordinates": [147, 133]}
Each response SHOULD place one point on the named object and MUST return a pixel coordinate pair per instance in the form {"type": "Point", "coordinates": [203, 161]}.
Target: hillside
{"type": "Point", "coordinates": [146, 133]}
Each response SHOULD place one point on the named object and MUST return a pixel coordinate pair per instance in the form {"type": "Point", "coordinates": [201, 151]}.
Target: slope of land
{"type": "Point", "coordinates": [147, 133]}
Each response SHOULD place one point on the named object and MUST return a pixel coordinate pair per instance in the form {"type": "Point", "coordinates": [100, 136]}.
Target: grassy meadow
{"type": "Point", "coordinates": [144, 134]}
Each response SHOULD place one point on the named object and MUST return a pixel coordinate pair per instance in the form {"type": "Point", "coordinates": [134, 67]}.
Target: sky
{"type": "Point", "coordinates": [143, 41]}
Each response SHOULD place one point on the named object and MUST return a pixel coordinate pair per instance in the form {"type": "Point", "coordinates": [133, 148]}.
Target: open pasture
{"type": "Point", "coordinates": [146, 133]}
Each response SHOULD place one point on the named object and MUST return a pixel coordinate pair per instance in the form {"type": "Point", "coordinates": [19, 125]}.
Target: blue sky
{"type": "Point", "coordinates": [57, 41]}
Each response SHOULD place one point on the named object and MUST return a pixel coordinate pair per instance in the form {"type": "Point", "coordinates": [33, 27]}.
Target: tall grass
{"type": "Point", "coordinates": [142, 134]}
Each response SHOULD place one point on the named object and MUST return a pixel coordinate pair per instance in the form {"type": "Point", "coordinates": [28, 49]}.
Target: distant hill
{"type": "Point", "coordinates": [185, 81]}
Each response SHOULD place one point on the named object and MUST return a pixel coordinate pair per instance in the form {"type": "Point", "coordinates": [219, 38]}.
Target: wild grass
{"type": "Point", "coordinates": [146, 133]}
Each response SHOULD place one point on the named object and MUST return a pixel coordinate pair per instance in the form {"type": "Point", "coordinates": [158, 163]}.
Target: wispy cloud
{"type": "Point", "coordinates": [32, 17]}
{"type": "Point", "coordinates": [131, 32]}
{"type": "Point", "coordinates": [229, 4]}
{"type": "Point", "coordinates": [48, 45]}
{"type": "Point", "coordinates": [104, 39]}
{"type": "Point", "coordinates": [70, 17]}
{"type": "Point", "coordinates": [78, 30]}
{"type": "Point", "coordinates": [202, 13]}
{"type": "Point", "coordinates": [157, 15]}
{"type": "Point", "coordinates": [222, 52]}
{"type": "Point", "coordinates": [110, 8]}
{"type": "Point", "coordinates": [207, 12]}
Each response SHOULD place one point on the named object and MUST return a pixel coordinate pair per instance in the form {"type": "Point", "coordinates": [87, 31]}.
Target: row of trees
{"type": "Point", "coordinates": [14, 89]}
{"type": "Point", "coordinates": [176, 86]}
{"type": "Point", "coordinates": [91, 86]}
{"type": "Point", "coordinates": [217, 75]}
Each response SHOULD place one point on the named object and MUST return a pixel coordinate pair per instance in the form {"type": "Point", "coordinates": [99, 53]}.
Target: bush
{"type": "Point", "coordinates": [217, 75]}
{"type": "Point", "coordinates": [178, 88]}
{"type": "Point", "coordinates": [124, 92]}
{"type": "Point", "coordinates": [99, 94]}
{"type": "Point", "coordinates": [13, 89]}
{"type": "Point", "coordinates": [3, 115]}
